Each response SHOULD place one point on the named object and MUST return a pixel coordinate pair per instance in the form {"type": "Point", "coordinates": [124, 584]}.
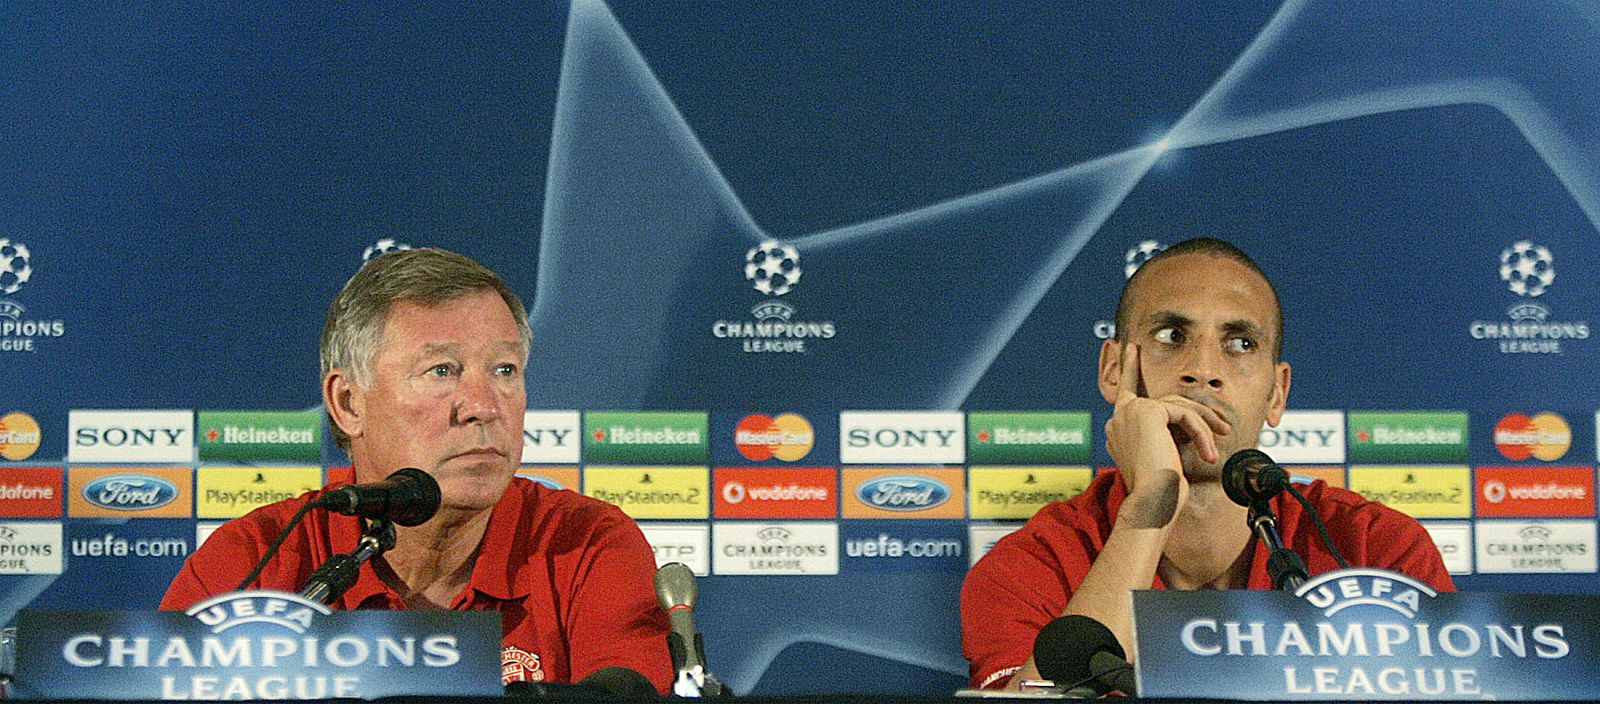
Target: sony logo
{"type": "Point", "coordinates": [899, 437]}
{"type": "Point", "coordinates": [546, 437]}
{"type": "Point", "coordinates": [129, 437]}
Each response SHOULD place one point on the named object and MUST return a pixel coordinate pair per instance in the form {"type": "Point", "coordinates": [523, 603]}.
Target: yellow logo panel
{"type": "Point", "coordinates": [230, 492]}
{"type": "Point", "coordinates": [1019, 492]}
{"type": "Point", "coordinates": [1420, 491]}
{"type": "Point", "coordinates": [651, 492]}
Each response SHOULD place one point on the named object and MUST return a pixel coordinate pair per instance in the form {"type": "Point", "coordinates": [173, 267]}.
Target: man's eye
{"type": "Point", "coordinates": [1241, 344]}
{"type": "Point", "coordinates": [1169, 336]}
{"type": "Point", "coordinates": [506, 370]}
{"type": "Point", "coordinates": [441, 370]}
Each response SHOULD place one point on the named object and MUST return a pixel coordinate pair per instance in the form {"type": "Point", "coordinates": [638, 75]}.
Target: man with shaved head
{"type": "Point", "coordinates": [1193, 373]}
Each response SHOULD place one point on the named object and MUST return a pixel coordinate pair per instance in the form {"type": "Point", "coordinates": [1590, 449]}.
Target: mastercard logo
{"type": "Point", "coordinates": [787, 437]}
{"type": "Point", "coordinates": [19, 436]}
{"type": "Point", "coordinates": [1545, 436]}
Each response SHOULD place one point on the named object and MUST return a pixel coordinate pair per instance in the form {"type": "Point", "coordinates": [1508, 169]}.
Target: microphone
{"type": "Point", "coordinates": [621, 683]}
{"type": "Point", "coordinates": [608, 684]}
{"type": "Point", "coordinates": [676, 592]}
{"type": "Point", "coordinates": [409, 497]}
{"type": "Point", "coordinates": [1250, 476]}
{"type": "Point", "coordinates": [1077, 650]}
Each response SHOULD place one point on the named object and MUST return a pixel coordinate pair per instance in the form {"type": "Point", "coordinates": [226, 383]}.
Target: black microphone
{"type": "Point", "coordinates": [1078, 650]}
{"type": "Point", "coordinates": [608, 684]}
{"type": "Point", "coordinates": [622, 683]}
{"type": "Point", "coordinates": [1250, 476]}
{"type": "Point", "coordinates": [409, 497]}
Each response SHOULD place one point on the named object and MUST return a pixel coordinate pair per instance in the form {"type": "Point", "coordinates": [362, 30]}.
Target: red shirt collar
{"type": "Point", "coordinates": [494, 575]}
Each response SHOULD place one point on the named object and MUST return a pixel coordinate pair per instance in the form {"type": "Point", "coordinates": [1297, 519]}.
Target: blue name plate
{"type": "Point", "coordinates": [1366, 634]}
{"type": "Point", "coordinates": [256, 645]}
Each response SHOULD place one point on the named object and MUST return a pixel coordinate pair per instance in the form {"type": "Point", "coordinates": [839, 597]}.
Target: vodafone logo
{"type": "Point", "coordinates": [1494, 491]}
{"type": "Point", "coordinates": [1545, 436]}
{"type": "Point", "coordinates": [749, 492]}
{"type": "Point", "coordinates": [735, 493]}
{"type": "Point", "coordinates": [1536, 491]}
{"type": "Point", "coordinates": [760, 437]}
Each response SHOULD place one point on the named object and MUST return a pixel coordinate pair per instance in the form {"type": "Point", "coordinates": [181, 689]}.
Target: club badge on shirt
{"type": "Point", "coordinates": [518, 665]}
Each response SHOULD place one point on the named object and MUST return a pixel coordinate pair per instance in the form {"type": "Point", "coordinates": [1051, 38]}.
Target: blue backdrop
{"type": "Point", "coordinates": [190, 183]}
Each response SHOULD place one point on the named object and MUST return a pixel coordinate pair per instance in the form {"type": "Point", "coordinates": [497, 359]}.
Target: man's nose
{"type": "Point", "coordinates": [476, 399]}
{"type": "Point", "coordinates": [1203, 366]}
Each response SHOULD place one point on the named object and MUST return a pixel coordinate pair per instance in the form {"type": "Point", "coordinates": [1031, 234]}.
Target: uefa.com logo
{"type": "Point", "coordinates": [19, 333]}
{"type": "Point", "coordinates": [1528, 270]}
{"type": "Point", "coordinates": [1132, 259]}
{"type": "Point", "coordinates": [772, 269]}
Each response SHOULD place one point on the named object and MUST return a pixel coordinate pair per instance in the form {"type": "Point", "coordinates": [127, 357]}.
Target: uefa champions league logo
{"type": "Point", "coordinates": [1139, 254]}
{"type": "Point", "coordinates": [1527, 268]}
{"type": "Point", "coordinates": [383, 246]}
{"type": "Point", "coordinates": [16, 265]}
{"type": "Point", "coordinates": [773, 267]}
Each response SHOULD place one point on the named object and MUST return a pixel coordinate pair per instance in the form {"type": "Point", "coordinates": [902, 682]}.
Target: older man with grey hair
{"type": "Point", "coordinates": [422, 366]}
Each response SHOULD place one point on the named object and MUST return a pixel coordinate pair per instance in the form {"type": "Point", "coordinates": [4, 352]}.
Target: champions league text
{"type": "Point", "coordinates": [299, 654]}
{"type": "Point", "coordinates": [1208, 637]}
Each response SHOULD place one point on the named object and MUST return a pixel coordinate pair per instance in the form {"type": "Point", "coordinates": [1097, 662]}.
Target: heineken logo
{"type": "Point", "coordinates": [260, 435]}
{"type": "Point", "coordinates": [1407, 436]}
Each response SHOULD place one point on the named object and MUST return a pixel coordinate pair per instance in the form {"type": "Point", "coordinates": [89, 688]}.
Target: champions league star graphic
{"type": "Point", "coordinates": [640, 224]}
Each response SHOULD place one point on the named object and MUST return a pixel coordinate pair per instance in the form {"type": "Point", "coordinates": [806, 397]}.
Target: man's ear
{"type": "Point", "coordinates": [346, 402]}
{"type": "Point", "coordinates": [1280, 394]}
{"type": "Point", "coordinates": [1110, 370]}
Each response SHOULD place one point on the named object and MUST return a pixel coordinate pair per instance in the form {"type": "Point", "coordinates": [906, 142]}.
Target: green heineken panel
{"type": "Point", "coordinates": [1407, 436]}
{"type": "Point", "coordinates": [250, 436]}
{"type": "Point", "coordinates": [645, 437]}
{"type": "Point", "coordinates": [1028, 437]}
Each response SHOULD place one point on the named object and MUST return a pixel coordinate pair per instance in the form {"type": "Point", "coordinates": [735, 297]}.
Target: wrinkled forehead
{"type": "Point", "coordinates": [410, 316]}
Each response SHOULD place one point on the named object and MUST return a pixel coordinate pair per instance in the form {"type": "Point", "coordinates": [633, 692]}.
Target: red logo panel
{"type": "Point", "coordinates": [31, 492]}
{"type": "Point", "coordinates": [751, 492]}
{"type": "Point", "coordinates": [1535, 491]}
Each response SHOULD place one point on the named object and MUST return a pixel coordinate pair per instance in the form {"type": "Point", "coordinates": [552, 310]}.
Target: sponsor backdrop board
{"type": "Point", "coordinates": [817, 294]}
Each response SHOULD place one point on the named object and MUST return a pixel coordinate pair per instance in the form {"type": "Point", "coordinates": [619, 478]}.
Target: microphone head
{"type": "Point", "coordinates": [1237, 475]}
{"type": "Point", "coordinates": [1064, 647]}
{"type": "Point", "coordinates": [621, 682]}
{"type": "Point", "coordinates": [414, 498]}
{"type": "Point", "coordinates": [675, 586]}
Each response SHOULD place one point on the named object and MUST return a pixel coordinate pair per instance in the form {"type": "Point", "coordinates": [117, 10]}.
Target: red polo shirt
{"type": "Point", "coordinates": [572, 578]}
{"type": "Point", "coordinates": [1027, 579]}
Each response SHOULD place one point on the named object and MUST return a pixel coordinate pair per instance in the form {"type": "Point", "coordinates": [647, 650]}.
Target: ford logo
{"type": "Point", "coordinates": [130, 492]}
{"type": "Point", "coordinates": [903, 492]}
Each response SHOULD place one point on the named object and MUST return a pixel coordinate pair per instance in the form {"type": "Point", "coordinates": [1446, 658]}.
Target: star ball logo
{"type": "Point", "coordinates": [16, 266]}
{"type": "Point", "coordinates": [1545, 436]}
{"type": "Point", "coordinates": [1132, 259]}
{"type": "Point", "coordinates": [1528, 270]}
{"type": "Point", "coordinates": [1137, 255]}
{"type": "Point", "coordinates": [16, 333]}
{"type": "Point", "coordinates": [773, 269]}
{"type": "Point", "coordinates": [787, 437]}
{"type": "Point", "coordinates": [383, 246]}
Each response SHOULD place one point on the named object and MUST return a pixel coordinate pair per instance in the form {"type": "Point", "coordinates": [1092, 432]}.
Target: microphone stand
{"type": "Point", "coordinates": [336, 575]}
{"type": "Point", "coordinates": [1287, 568]}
